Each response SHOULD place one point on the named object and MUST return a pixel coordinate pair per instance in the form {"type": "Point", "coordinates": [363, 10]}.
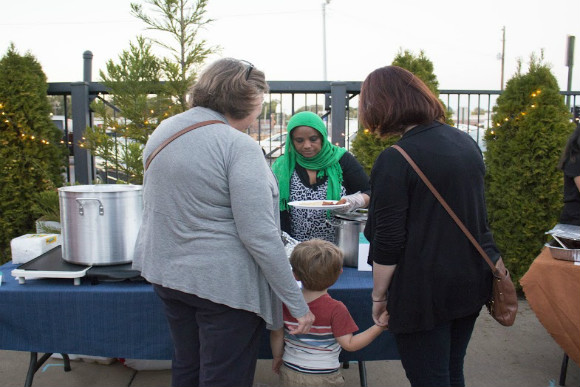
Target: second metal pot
{"type": "Point", "coordinates": [347, 233]}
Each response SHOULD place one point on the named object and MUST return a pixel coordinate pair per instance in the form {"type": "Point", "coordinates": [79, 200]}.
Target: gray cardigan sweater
{"type": "Point", "coordinates": [211, 222]}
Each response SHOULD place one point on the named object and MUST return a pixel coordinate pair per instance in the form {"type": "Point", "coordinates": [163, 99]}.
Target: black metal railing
{"type": "Point", "coordinates": [471, 111]}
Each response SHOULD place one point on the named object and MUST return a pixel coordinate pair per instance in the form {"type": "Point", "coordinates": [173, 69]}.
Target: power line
{"type": "Point", "coordinates": [45, 23]}
{"type": "Point", "coordinates": [264, 14]}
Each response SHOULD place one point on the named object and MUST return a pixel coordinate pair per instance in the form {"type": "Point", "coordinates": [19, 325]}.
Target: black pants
{"type": "Point", "coordinates": [434, 358]}
{"type": "Point", "coordinates": [214, 345]}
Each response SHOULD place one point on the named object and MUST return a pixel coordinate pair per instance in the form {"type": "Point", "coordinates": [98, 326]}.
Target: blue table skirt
{"type": "Point", "coordinates": [125, 319]}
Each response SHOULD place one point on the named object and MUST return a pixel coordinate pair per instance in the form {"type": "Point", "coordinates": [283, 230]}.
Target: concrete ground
{"type": "Point", "coordinates": [521, 355]}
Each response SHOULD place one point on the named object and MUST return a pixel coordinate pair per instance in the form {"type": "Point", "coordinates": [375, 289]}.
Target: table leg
{"type": "Point", "coordinates": [66, 361]}
{"type": "Point", "coordinates": [563, 370]}
{"type": "Point", "coordinates": [36, 363]}
{"type": "Point", "coordinates": [362, 373]}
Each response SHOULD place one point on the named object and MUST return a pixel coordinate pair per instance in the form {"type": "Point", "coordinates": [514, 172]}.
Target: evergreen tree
{"type": "Point", "coordinates": [118, 143]}
{"type": "Point", "coordinates": [182, 20]}
{"type": "Point", "coordinates": [366, 147]}
{"type": "Point", "coordinates": [32, 157]}
{"type": "Point", "coordinates": [523, 185]}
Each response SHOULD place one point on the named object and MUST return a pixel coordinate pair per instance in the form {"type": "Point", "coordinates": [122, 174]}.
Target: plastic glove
{"type": "Point", "coordinates": [354, 201]}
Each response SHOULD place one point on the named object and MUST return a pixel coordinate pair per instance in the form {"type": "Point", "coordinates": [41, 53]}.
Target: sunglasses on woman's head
{"type": "Point", "coordinates": [249, 69]}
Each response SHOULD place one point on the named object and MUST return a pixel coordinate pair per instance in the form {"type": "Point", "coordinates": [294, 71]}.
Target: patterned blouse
{"type": "Point", "coordinates": [309, 224]}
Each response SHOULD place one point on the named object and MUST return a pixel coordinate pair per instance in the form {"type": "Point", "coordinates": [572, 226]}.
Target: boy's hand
{"type": "Point", "coordinates": [276, 364]}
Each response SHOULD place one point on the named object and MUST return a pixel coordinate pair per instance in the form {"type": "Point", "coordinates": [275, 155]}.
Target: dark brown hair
{"type": "Point", "coordinates": [392, 98]}
{"type": "Point", "coordinates": [572, 148]}
{"type": "Point", "coordinates": [317, 263]}
{"type": "Point", "coordinates": [230, 86]}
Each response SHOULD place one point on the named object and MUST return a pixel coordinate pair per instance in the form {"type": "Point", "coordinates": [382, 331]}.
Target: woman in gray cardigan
{"type": "Point", "coordinates": [210, 238]}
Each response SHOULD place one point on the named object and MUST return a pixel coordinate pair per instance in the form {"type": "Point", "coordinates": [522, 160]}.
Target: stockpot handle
{"type": "Point", "coordinates": [81, 201]}
{"type": "Point", "coordinates": [333, 222]}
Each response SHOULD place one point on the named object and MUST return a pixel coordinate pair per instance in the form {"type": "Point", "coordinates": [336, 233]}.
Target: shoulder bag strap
{"type": "Point", "coordinates": [181, 132]}
{"type": "Point", "coordinates": [446, 206]}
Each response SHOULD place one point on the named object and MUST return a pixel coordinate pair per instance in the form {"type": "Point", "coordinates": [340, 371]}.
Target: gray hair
{"type": "Point", "coordinates": [229, 86]}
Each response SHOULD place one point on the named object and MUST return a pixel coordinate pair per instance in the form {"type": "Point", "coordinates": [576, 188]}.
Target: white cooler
{"type": "Point", "coordinates": [29, 246]}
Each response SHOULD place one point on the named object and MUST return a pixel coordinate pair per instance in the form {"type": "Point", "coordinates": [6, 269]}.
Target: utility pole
{"type": "Point", "coordinates": [502, 55]}
{"type": "Point", "coordinates": [324, 38]}
{"type": "Point", "coordinates": [570, 64]}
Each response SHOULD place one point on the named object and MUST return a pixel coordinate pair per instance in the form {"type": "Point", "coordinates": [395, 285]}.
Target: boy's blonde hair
{"type": "Point", "coordinates": [316, 263]}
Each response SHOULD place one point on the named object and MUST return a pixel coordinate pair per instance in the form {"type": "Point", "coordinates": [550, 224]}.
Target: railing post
{"type": "Point", "coordinates": [80, 117]}
{"type": "Point", "coordinates": [338, 104]}
{"type": "Point", "coordinates": [87, 66]}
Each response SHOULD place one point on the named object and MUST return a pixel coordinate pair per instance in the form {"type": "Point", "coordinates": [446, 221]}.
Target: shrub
{"type": "Point", "coordinates": [523, 185]}
{"type": "Point", "coordinates": [31, 155]}
{"type": "Point", "coordinates": [366, 147]}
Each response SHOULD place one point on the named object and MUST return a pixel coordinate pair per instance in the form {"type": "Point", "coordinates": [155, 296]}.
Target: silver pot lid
{"type": "Point", "coordinates": [358, 215]}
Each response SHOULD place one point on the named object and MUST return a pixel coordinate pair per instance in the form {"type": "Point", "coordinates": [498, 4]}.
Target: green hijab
{"type": "Point", "coordinates": [325, 162]}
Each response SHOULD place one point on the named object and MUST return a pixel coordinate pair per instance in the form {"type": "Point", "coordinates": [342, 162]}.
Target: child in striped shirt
{"type": "Point", "coordinates": [312, 359]}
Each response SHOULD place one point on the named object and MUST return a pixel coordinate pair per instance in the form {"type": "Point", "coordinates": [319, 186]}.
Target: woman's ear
{"type": "Point", "coordinates": [295, 276]}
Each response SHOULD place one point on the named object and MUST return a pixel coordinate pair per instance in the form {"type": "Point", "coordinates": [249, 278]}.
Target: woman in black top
{"type": "Point", "coordinates": [570, 165]}
{"type": "Point", "coordinates": [427, 275]}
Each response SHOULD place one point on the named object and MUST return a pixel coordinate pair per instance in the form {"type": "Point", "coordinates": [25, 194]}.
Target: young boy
{"type": "Point", "coordinates": [312, 359]}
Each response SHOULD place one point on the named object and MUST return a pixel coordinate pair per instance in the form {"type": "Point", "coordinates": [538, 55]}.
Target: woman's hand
{"type": "Point", "coordinates": [304, 324]}
{"type": "Point", "coordinates": [382, 275]}
{"type": "Point", "coordinates": [380, 314]}
{"type": "Point", "coordinates": [354, 201]}
{"type": "Point", "coordinates": [384, 319]}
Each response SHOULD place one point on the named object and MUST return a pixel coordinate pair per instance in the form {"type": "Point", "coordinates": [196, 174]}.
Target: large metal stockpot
{"type": "Point", "coordinates": [100, 223]}
{"type": "Point", "coordinates": [346, 232]}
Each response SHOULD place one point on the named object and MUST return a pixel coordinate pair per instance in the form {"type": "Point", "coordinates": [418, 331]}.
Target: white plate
{"type": "Point", "coordinates": [317, 204]}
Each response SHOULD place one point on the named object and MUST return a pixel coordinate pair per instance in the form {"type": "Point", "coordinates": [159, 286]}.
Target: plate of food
{"type": "Point", "coordinates": [318, 204]}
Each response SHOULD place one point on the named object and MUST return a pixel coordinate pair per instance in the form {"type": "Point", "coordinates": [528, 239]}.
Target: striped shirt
{"type": "Point", "coordinates": [318, 351]}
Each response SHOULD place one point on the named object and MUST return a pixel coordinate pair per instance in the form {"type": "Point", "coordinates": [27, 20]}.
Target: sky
{"type": "Point", "coordinates": [284, 38]}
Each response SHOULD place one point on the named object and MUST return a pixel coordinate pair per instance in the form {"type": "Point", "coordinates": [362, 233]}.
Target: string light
{"type": "Point", "coordinates": [23, 136]}
{"type": "Point", "coordinates": [517, 117]}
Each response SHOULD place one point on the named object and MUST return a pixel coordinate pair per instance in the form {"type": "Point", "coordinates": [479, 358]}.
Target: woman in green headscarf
{"type": "Point", "coordinates": [312, 168]}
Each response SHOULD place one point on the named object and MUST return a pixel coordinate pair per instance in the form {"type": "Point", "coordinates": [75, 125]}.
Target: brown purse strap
{"type": "Point", "coordinates": [446, 206]}
{"type": "Point", "coordinates": [181, 132]}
